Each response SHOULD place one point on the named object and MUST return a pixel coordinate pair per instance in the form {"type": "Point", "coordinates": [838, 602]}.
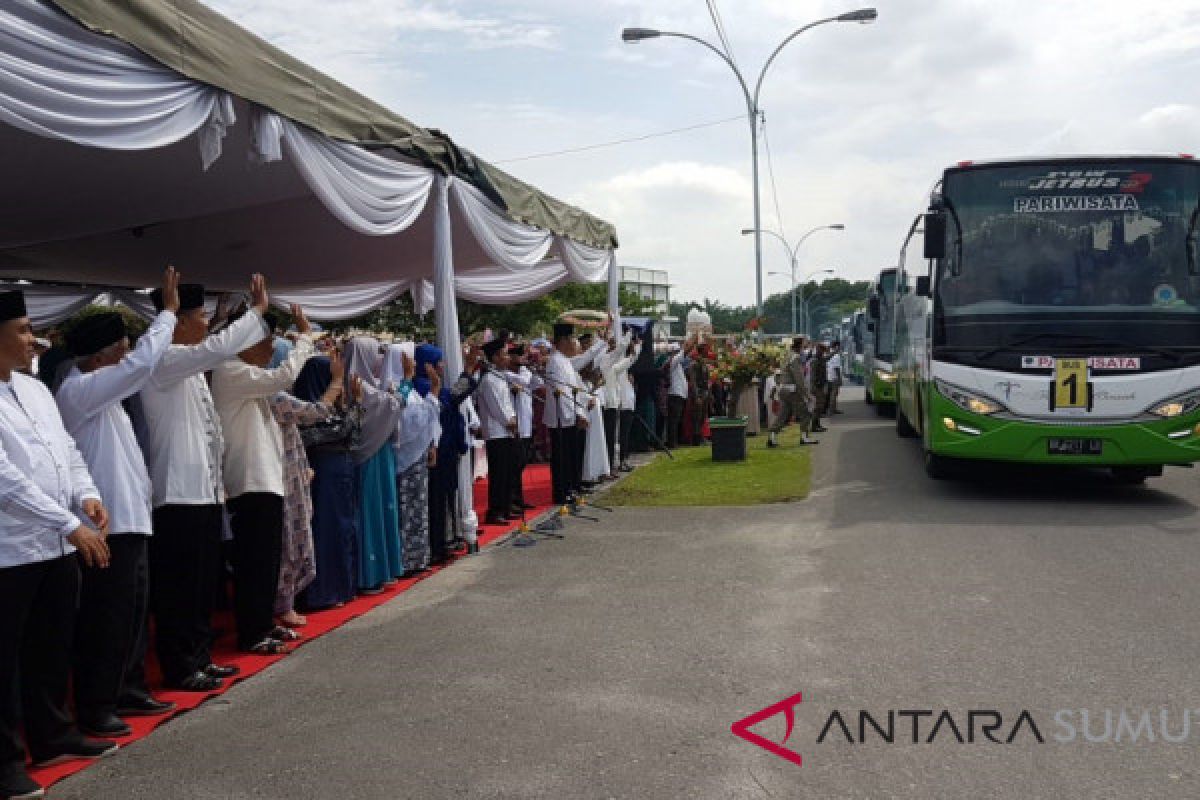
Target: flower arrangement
{"type": "Point", "coordinates": [743, 365]}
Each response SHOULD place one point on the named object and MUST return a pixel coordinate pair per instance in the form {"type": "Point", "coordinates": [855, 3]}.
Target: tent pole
{"type": "Point", "coordinates": [450, 339]}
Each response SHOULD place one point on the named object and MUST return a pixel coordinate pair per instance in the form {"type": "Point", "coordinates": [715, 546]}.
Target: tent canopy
{"type": "Point", "coordinates": [100, 155]}
{"type": "Point", "coordinates": [196, 41]}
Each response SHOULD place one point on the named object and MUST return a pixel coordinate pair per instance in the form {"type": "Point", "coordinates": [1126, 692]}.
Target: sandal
{"type": "Point", "coordinates": [291, 620]}
{"type": "Point", "coordinates": [269, 647]}
{"type": "Point", "coordinates": [198, 681]}
{"type": "Point", "coordinates": [283, 634]}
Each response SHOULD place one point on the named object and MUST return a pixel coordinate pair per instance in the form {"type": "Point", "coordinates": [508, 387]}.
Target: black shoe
{"type": "Point", "coordinates": [142, 706]}
{"type": "Point", "coordinates": [219, 671]}
{"type": "Point", "coordinates": [625, 468]}
{"type": "Point", "coordinates": [103, 726]}
{"type": "Point", "coordinates": [472, 548]}
{"type": "Point", "coordinates": [198, 681]}
{"type": "Point", "coordinates": [820, 429]}
{"type": "Point", "coordinates": [527, 506]}
{"type": "Point", "coordinates": [495, 519]}
{"type": "Point", "coordinates": [20, 786]}
{"type": "Point", "coordinates": [772, 443]}
{"type": "Point", "coordinates": [79, 748]}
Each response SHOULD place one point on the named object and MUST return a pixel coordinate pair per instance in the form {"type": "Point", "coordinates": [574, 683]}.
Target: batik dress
{"type": "Point", "coordinates": [297, 567]}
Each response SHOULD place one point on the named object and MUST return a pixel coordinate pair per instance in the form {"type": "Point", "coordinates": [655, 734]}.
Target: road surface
{"type": "Point", "coordinates": [613, 663]}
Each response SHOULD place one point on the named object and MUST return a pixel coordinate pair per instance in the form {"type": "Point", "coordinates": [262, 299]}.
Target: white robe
{"type": "Point", "coordinates": [595, 453]}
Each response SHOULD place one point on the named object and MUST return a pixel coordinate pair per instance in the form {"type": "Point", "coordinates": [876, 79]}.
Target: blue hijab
{"type": "Point", "coordinates": [425, 354]}
{"type": "Point", "coordinates": [283, 349]}
{"type": "Point", "coordinates": [314, 378]}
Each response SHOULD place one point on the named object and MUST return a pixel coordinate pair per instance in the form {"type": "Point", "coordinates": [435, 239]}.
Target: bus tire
{"type": "Point", "coordinates": [904, 428]}
{"type": "Point", "coordinates": [937, 467]}
{"type": "Point", "coordinates": [885, 409]}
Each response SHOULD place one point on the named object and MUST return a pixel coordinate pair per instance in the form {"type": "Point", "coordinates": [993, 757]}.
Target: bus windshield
{"type": "Point", "coordinates": [1089, 240]}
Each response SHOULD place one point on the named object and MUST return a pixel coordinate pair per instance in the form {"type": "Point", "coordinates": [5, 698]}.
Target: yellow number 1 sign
{"type": "Point", "coordinates": [1071, 383]}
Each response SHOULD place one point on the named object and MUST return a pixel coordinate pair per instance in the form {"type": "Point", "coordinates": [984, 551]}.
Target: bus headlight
{"type": "Point", "coordinates": [886, 377]}
{"type": "Point", "coordinates": [967, 401]}
{"type": "Point", "coordinates": [1176, 406]}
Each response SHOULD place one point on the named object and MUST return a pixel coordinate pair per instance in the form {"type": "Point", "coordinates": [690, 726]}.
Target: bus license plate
{"type": "Point", "coordinates": [1076, 447]}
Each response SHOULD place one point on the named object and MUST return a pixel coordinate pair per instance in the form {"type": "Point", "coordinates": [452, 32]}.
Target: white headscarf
{"type": "Point", "coordinates": [393, 367]}
{"type": "Point", "coordinates": [381, 408]}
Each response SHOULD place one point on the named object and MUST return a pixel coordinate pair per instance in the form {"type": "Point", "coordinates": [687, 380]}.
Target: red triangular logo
{"type": "Point", "coordinates": [741, 728]}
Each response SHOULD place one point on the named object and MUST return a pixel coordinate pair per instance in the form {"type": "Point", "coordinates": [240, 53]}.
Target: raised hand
{"type": "Point", "coordinates": [356, 389]}
{"type": "Point", "coordinates": [435, 380]}
{"type": "Point", "coordinates": [259, 300]}
{"type": "Point", "coordinates": [410, 366]}
{"type": "Point", "coordinates": [170, 290]}
{"type": "Point", "coordinates": [337, 365]}
{"type": "Point", "coordinates": [302, 323]}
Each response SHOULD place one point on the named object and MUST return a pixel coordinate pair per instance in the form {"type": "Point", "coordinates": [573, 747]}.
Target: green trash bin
{"type": "Point", "coordinates": [728, 438]}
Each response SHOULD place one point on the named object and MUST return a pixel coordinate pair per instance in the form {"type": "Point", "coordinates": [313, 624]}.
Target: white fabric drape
{"type": "Point", "coordinates": [585, 264]}
{"type": "Point", "coordinates": [333, 304]}
{"type": "Point", "coordinates": [511, 245]}
{"type": "Point", "coordinates": [369, 193]}
{"type": "Point", "coordinates": [448, 336]}
{"type": "Point", "coordinates": [62, 81]}
{"type": "Point", "coordinates": [50, 305]}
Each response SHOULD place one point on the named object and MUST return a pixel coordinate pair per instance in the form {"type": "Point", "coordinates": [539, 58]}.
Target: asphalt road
{"type": "Point", "coordinates": [612, 663]}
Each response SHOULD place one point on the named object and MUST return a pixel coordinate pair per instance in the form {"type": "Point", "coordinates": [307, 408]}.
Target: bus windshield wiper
{"type": "Point", "coordinates": [1082, 337]}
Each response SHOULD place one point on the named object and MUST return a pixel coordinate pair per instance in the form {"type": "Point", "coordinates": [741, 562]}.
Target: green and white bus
{"type": "Point", "coordinates": [854, 354]}
{"type": "Point", "coordinates": [879, 377]}
{"type": "Point", "coordinates": [1054, 315]}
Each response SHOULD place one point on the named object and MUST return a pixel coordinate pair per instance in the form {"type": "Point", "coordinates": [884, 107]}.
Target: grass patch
{"type": "Point", "coordinates": [773, 475]}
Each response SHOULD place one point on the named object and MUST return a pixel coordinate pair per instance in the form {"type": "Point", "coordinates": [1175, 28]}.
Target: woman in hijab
{"type": "Point", "coordinates": [453, 443]}
{"type": "Point", "coordinates": [418, 433]}
{"type": "Point", "coordinates": [380, 551]}
{"type": "Point", "coordinates": [647, 380]}
{"type": "Point", "coordinates": [330, 445]}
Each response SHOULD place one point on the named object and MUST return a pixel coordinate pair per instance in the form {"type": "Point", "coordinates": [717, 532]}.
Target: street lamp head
{"type": "Point", "coordinates": [863, 15]}
{"type": "Point", "coordinates": [837, 226]}
{"type": "Point", "coordinates": [827, 271]}
{"type": "Point", "coordinates": [747, 231]}
{"type": "Point", "coordinates": [638, 34]}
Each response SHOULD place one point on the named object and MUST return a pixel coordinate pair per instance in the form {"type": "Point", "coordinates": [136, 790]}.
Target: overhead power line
{"type": "Point", "coordinates": [616, 142]}
{"type": "Point", "coordinates": [771, 173]}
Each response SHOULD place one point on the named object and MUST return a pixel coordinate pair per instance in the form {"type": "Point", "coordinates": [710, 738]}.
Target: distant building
{"type": "Point", "coordinates": [651, 284]}
{"type": "Point", "coordinates": [648, 284]}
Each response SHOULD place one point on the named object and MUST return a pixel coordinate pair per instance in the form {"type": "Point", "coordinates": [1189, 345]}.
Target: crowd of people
{"type": "Point", "coordinates": [291, 471]}
{"type": "Point", "coordinates": [143, 484]}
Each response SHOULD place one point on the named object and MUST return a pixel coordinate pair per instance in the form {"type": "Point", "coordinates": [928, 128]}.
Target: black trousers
{"type": "Point", "coordinates": [39, 602]}
{"type": "Point", "coordinates": [110, 628]}
{"type": "Point", "coordinates": [577, 451]}
{"type": "Point", "coordinates": [675, 406]}
{"type": "Point", "coordinates": [184, 554]}
{"type": "Point", "coordinates": [502, 459]}
{"type": "Point", "coordinates": [256, 519]}
{"type": "Point", "coordinates": [611, 416]}
{"type": "Point", "coordinates": [626, 429]}
{"type": "Point", "coordinates": [524, 454]}
{"type": "Point", "coordinates": [562, 442]}
{"type": "Point", "coordinates": [439, 508]}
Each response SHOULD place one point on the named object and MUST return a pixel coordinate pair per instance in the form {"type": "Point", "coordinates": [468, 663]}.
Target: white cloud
{"type": "Point", "coordinates": [862, 118]}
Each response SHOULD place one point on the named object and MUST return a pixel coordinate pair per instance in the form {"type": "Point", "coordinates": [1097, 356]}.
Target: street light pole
{"type": "Point", "coordinates": [794, 254]}
{"type": "Point", "coordinates": [753, 110]}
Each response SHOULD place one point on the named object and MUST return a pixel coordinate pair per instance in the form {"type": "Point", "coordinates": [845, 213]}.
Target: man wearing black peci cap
{"type": "Point", "coordinates": [522, 383]}
{"type": "Point", "coordinates": [498, 419]}
{"type": "Point", "coordinates": [110, 638]}
{"type": "Point", "coordinates": [184, 447]}
{"type": "Point", "coordinates": [563, 415]}
{"type": "Point", "coordinates": [44, 488]}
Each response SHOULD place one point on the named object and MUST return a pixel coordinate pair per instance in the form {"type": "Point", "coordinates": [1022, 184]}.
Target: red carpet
{"type": "Point", "coordinates": [537, 493]}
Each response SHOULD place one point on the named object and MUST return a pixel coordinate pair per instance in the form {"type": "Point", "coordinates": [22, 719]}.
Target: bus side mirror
{"type": "Point", "coordinates": [873, 307]}
{"type": "Point", "coordinates": [923, 289]}
{"type": "Point", "coordinates": [935, 235]}
{"type": "Point", "coordinates": [871, 327]}
{"type": "Point", "coordinates": [1193, 266]}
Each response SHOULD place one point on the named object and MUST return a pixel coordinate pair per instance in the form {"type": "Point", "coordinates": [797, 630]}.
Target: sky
{"type": "Point", "coordinates": [860, 119]}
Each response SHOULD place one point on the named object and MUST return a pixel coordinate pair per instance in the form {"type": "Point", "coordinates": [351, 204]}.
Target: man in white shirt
{"type": "Point", "coordinates": [253, 475]}
{"type": "Point", "coordinates": [499, 420]}
{"type": "Point", "coordinates": [522, 383]}
{"type": "Point", "coordinates": [565, 415]}
{"type": "Point", "coordinates": [183, 445]}
{"type": "Point", "coordinates": [677, 392]}
{"type": "Point", "coordinates": [44, 487]}
{"type": "Point", "coordinates": [835, 374]}
{"type": "Point", "coordinates": [607, 362]}
{"type": "Point", "coordinates": [111, 626]}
